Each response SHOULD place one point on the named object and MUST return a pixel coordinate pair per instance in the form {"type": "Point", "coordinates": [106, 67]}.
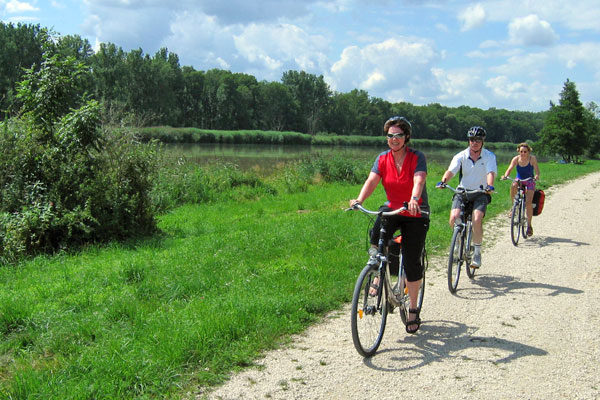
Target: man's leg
{"type": "Point", "coordinates": [477, 238]}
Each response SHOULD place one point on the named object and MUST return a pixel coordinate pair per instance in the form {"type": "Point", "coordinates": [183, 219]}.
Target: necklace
{"type": "Point", "coordinates": [399, 162]}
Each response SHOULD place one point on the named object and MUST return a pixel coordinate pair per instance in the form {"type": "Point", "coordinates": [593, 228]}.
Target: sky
{"type": "Point", "coordinates": [509, 54]}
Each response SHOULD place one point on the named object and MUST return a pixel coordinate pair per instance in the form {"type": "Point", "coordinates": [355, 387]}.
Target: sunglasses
{"type": "Point", "coordinates": [476, 139]}
{"type": "Point", "coordinates": [396, 135]}
{"type": "Point", "coordinates": [399, 118]}
{"type": "Point", "coordinates": [524, 151]}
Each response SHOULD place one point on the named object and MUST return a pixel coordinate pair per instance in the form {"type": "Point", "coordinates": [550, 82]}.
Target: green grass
{"type": "Point", "coordinates": [225, 281]}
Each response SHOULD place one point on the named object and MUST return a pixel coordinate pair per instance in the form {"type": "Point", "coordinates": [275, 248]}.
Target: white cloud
{"type": "Point", "coordinates": [199, 40]}
{"type": "Point", "coordinates": [576, 15]}
{"type": "Point", "coordinates": [533, 65]}
{"type": "Point", "coordinates": [397, 69]}
{"type": "Point", "coordinates": [335, 6]}
{"type": "Point", "coordinates": [513, 94]}
{"type": "Point", "coordinates": [273, 46]}
{"type": "Point", "coordinates": [472, 17]}
{"type": "Point", "coordinates": [581, 54]}
{"type": "Point", "coordinates": [14, 6]}
{"type": "Point", "coordinates": [531, 31]}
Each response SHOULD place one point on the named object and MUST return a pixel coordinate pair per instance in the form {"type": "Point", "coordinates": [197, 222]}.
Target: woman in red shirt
{"type": "Point", "coordinates": [402, 172]}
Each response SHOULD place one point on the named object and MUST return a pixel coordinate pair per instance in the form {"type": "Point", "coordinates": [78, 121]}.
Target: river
{"type": "Point", "coordinates": [266, 157]}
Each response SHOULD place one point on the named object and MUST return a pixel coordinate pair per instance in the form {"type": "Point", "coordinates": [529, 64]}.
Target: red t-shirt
{"type": "Point", "coordinates": [398, 186]}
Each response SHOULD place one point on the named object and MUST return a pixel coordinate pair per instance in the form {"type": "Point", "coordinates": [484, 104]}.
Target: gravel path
{"type": "Point", "coordinates": [527, 326]}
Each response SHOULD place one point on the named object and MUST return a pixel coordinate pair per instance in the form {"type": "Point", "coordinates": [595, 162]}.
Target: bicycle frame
{"type": "Point", "coordinates": [369, 310]}
{"type": "Point", "coordinates": [381, 257]}
{"type": "Point", "coordinates": [518, 221]}
{"type": "Point", "coordinates": [461, 239]}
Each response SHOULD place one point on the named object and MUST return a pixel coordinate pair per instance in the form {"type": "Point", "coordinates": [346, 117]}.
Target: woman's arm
{"type": "Point", "coordinates": [417, 191]}
{"type": "Point", "coordinates": [513, 162]}
{"type": "Point", "coordinates": [535, 167]}
{"type": "Point", "coordinates": [367, 189]}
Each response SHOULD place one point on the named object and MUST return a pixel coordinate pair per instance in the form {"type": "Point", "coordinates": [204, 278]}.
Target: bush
{"type": "Point", "coordinates": [64, 181]}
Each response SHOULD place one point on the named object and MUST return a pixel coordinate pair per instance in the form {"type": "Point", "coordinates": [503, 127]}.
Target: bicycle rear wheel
{"type": "Point", "coordinates": [469, 250]}
{"type": "Point", "coordinates": [455, 258]}
{"type": "Point", "coordinates": [369, 313]}
{"type": "Point", "coordinates": [405, 303]}
{"type": "Point", "coordinates": [515, 222]}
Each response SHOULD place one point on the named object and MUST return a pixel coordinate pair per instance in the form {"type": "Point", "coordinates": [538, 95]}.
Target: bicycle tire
{"type": "Point", "coordinates": [405, 302]}
{"type": "Point", "coordinates": [470, 270]}
{"type": "Point", "coordinates": [369, 313]}
{"type": "Point", "coordinates": [523, 218]}
{"type": "Point", "coordinates": [515, 223]}
{"type": "Point", "coordinates": [455, 259]}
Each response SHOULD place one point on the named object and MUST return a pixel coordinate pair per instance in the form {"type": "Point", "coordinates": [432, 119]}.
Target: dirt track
{"type": "Point", "coordinates": [527, 326]}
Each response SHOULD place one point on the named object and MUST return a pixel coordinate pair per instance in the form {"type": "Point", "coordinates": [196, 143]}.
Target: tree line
{"type": "Point", "coordinates": [134, 88]}
{"type": "Point", "coordinates": [156, 90]}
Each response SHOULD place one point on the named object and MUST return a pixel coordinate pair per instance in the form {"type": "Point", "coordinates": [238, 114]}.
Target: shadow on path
{"type": "Point", "coordinates": [441, 340]}
{"type": "Point", "coordinates": [543, 241]}
{"type": "Point", "coordinates": [491, 286]}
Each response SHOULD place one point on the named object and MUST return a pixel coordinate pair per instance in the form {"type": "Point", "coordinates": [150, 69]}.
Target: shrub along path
{"type": "Point", "coordinates": [525, 327]}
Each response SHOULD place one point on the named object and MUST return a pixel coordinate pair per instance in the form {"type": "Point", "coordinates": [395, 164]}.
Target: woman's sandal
{"type": "Point", "coordinates": [416, 321]}
{"type": "Point", "coordinates": [373, 289]}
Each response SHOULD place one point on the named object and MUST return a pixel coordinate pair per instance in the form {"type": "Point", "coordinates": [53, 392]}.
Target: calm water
{"type": "Point", "coordinates": [266, 157]}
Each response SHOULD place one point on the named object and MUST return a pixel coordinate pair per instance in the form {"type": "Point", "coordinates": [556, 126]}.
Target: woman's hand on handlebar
{"type": "Point", "coordinates": [413, 207]}
{"type": "Point", "coordinates": [353, 203]}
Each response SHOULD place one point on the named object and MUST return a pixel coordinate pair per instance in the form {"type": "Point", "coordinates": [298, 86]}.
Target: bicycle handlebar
{"type": "Point", "coordinates": [461, 190]}
{"type": "Point", "coordinates": [358, 206]}
{"type": "Point", "coordinates": [531, 178]}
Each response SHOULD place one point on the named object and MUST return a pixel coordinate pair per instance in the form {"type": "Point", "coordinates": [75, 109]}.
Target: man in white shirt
{"type": "Point", "coordinates": [478, 169]}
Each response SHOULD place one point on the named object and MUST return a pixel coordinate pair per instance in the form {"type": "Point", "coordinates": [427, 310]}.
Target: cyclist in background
{"type": "Point", "coordinates": [477, 168]}
{"type": "Point", "coordinates": [402, 171]}
{"type": "Point", "coordinates": [527, 167]}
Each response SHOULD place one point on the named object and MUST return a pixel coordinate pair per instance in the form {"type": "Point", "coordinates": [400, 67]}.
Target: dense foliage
{"type": "Point", "coordinates": [63, 180]}
{"type": "Point", "coordinates": [156, 90]}
{"type": "Point", "coordinates": [570, 129]}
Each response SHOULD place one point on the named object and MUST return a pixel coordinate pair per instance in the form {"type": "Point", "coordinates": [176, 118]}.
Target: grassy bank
{"type": "Point", "coordinates": [225, 281]}
{"type": "Point", "coordinates": [167, 134]}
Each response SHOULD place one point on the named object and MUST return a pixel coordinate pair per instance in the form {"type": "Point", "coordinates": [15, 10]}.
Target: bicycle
{"type": "Point", "coordinates": [518, 217]}
{"type": "Point", "coordinates": [461, 250]}
{"type": "Point", "coordinates": [369, 311]}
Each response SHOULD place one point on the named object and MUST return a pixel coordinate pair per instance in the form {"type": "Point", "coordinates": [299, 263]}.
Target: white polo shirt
{"type": "Point", "coordinates": [474, 172]}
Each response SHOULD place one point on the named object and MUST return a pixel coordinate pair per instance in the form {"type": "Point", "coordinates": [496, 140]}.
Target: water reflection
{"type": "Point", "coordinates": [267, 157]}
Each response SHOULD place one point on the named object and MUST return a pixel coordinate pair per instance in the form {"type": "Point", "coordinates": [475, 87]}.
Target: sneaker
{"type": "Point", "coordinates": [476, 262]}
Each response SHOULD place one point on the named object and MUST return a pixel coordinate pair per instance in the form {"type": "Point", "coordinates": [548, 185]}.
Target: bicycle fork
{"type": "Point", "coordinates": [466, 248]}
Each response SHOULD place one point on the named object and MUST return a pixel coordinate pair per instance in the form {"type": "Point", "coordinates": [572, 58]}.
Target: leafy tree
{"type": "Point", "coordinates": [592, 120]}
{"type": "Point", "coordinates": [21, 47]}
{"type": "Point", "coordinates": [64, 181]}
{"type": "Point", "coordinates": [565, 131]}
{"type": "Point", "coordinates": [311, 95]}
{"type": "Point", "coordinates": [275, 106]}
{"type": "Point", "coordinates": [191, 97]}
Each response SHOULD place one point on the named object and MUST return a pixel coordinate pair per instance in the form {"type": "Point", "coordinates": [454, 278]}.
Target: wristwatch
{"type": "Point", "coordinates": [415, 198]}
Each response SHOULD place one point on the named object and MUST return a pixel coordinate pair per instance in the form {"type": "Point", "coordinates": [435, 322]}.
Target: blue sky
{"type": "Point", "coordinates": [511, 54]}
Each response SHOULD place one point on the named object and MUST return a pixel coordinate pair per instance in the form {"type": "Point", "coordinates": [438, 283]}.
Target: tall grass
{"type": "Point", "coordinates": [224, 281]}
{"type": "Point", "coordinates": [167, 134]}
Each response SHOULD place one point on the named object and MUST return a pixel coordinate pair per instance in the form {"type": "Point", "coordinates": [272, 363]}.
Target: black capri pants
{"type": "Point", "coordinates": [414, 231]}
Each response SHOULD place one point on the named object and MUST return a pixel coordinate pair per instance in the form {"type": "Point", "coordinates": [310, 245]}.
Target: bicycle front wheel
{"type": "Point", "coordinates": [369, 313]}
{"type": "Point", "coordinates": [455, 258]}
{"type": "Point", "coordinates": [523, 219]}
{"type": "Point", "coordinates": [515, 223]}
{"type": "Point", "coordinates": [469, 250]}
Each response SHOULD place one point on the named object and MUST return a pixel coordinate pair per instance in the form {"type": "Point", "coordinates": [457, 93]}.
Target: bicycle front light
{"type": "Point", "coordinates": [373, 251]}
